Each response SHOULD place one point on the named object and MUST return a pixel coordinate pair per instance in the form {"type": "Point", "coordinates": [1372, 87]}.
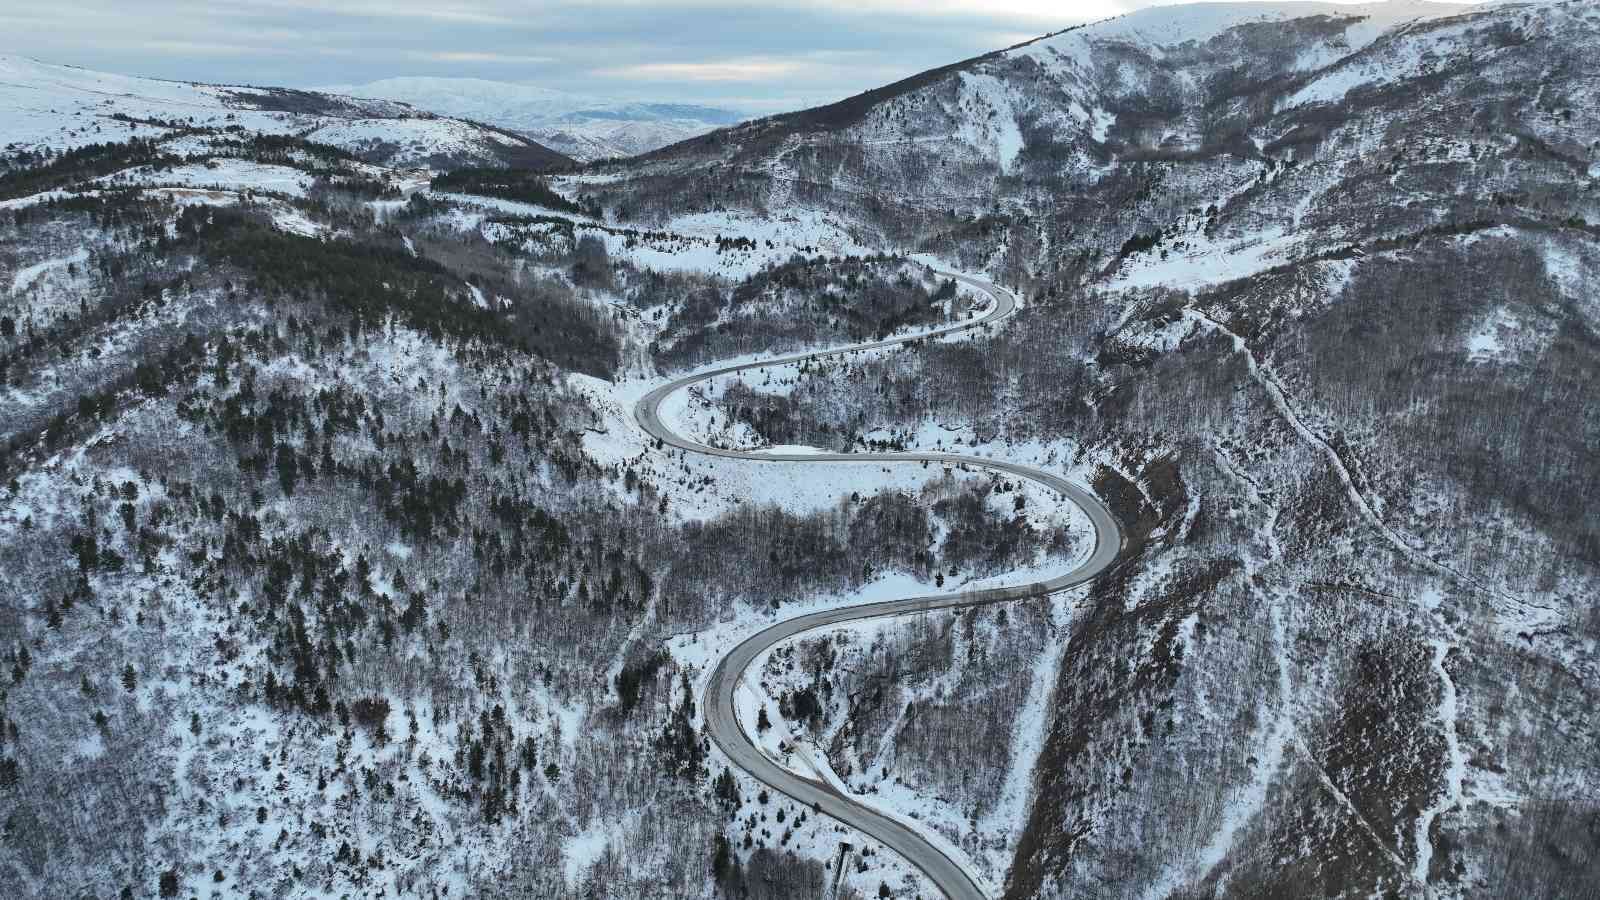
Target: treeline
{"type": "Point", "coordinates": [510, 184]}
{"type": "Point", "coordinates": [767, 555]}
{"type": "Point", "coordinates": [798, 303]}
{"type": "Point", "coordinates": [370, 281]}
{"type": "Point", "coordinates": [374, 280]}
{"type": "Point", "coordinates": [82, 164]}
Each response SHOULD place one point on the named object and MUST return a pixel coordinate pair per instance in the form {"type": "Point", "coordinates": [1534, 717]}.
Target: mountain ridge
{"type": "Point", "coordinates": [31, 91]}
{"type": "Point", "coordinates": [1203, 20]}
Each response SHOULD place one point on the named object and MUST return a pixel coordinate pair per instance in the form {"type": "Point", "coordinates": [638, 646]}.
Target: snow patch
{"type": "Point", "coordinates": [25, 277]}
{"type": "Point", "coordinates": [997, 129]}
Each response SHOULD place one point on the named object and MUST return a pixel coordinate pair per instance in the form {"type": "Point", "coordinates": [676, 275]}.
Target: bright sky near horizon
{"type": "Point", "coordinates": [756, 57]}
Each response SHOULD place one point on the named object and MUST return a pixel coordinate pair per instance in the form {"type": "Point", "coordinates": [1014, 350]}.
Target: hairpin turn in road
{"type": "Point", "coordinates": [722, 720]}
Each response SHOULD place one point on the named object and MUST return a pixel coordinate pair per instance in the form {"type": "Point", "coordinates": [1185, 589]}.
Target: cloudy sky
{"type": "Point", "coordinates": [751, 56]}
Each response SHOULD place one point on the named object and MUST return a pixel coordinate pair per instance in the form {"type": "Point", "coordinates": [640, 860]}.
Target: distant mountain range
{"type": "Point", "coordinates": [581, 126]}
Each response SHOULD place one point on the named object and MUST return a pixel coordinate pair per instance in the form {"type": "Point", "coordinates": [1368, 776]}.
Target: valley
{"type": "Point", "coordinates": [1151, 460]}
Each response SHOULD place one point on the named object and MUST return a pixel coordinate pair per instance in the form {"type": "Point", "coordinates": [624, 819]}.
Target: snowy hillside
{"type": "Point", "coordinates": [45, 106]}
{"type": "Point", "coordinates": [306, 414]}
{"type": "Point", "coordinates": [1157, 85]}
{"type": "Point", "coordinates": [1308, 285]}
{"type": "Point", "coordinates": [334, 560]}
{"type": "Point", "coordinates": [583, 127]}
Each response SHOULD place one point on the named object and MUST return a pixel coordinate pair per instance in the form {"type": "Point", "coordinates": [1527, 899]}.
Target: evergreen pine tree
{"type": "Point", "coordinates": [288, 469]}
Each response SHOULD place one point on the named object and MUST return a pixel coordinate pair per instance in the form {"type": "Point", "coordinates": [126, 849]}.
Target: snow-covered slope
{"type": "Point", "coordinates": [324, 522]}
{"type": "Point", "coordinates": [579, 125]}
{"type": "Point", "coordinates": [1159, 84]}
{"type": "Point", "coordinates": [1172, 26]}
{"type": "Point", "coordinates": [133, 276]}
{"type": "Point", "coordinates": [503, 102]}
{"type": "Point", "coordinates": [1322, 275]}
{"type": "Point", "coordinates": [45, 106]}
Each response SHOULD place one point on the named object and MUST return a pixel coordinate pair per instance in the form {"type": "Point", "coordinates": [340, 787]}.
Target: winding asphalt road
{"type": "Point", "coordinates": [722, 720]}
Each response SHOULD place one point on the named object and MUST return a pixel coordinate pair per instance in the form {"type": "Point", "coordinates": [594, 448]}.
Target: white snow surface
{"type": "Point", "coordinates": [58, 107]}
{"type": "Point", "coordinates": [26, 276]}
{"type": "Point", "coordinates": [422, 136]}
{"type": "Point", "coordinates": [993, 124]}
{"type": "Point", "coordinates": [220, 174]}
{"type": "Point", "coordinates": [45, 105]}
{"type": "Point", "coordinates": [1392, 61]}
{"type": "Point", "coordinates": [687, 243]}
{"type": "Point", "coordinates": [1172, 26]}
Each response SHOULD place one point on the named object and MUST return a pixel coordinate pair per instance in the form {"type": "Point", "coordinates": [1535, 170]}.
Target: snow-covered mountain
{"type": "Point", "coordinates": [581, 126]}
{"type": "Point", "coordinates": [47, 106]}
{"type": "Point", "coordinates": [1163, 84]}
{"type": "Point", "coordinates": [625, 130]}
{"type": "Point", "coordinates": [1333, 268]}
{"type": "Point", "coordinates": [251, 298]}
{"type": "Point", "coordinates": [333, 560]}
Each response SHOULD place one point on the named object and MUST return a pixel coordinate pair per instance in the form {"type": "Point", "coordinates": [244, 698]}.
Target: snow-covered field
{"type": "Point", "coordinates": [46, 106]}
{"type": "Point", "coordinates": [29, 275]}
{"type": "Point", "coordinates": [418, 138]}
{"type": "Point", "coordinates": [691, 243]}
{"type": "Point", "coordinates": [219, 174]}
